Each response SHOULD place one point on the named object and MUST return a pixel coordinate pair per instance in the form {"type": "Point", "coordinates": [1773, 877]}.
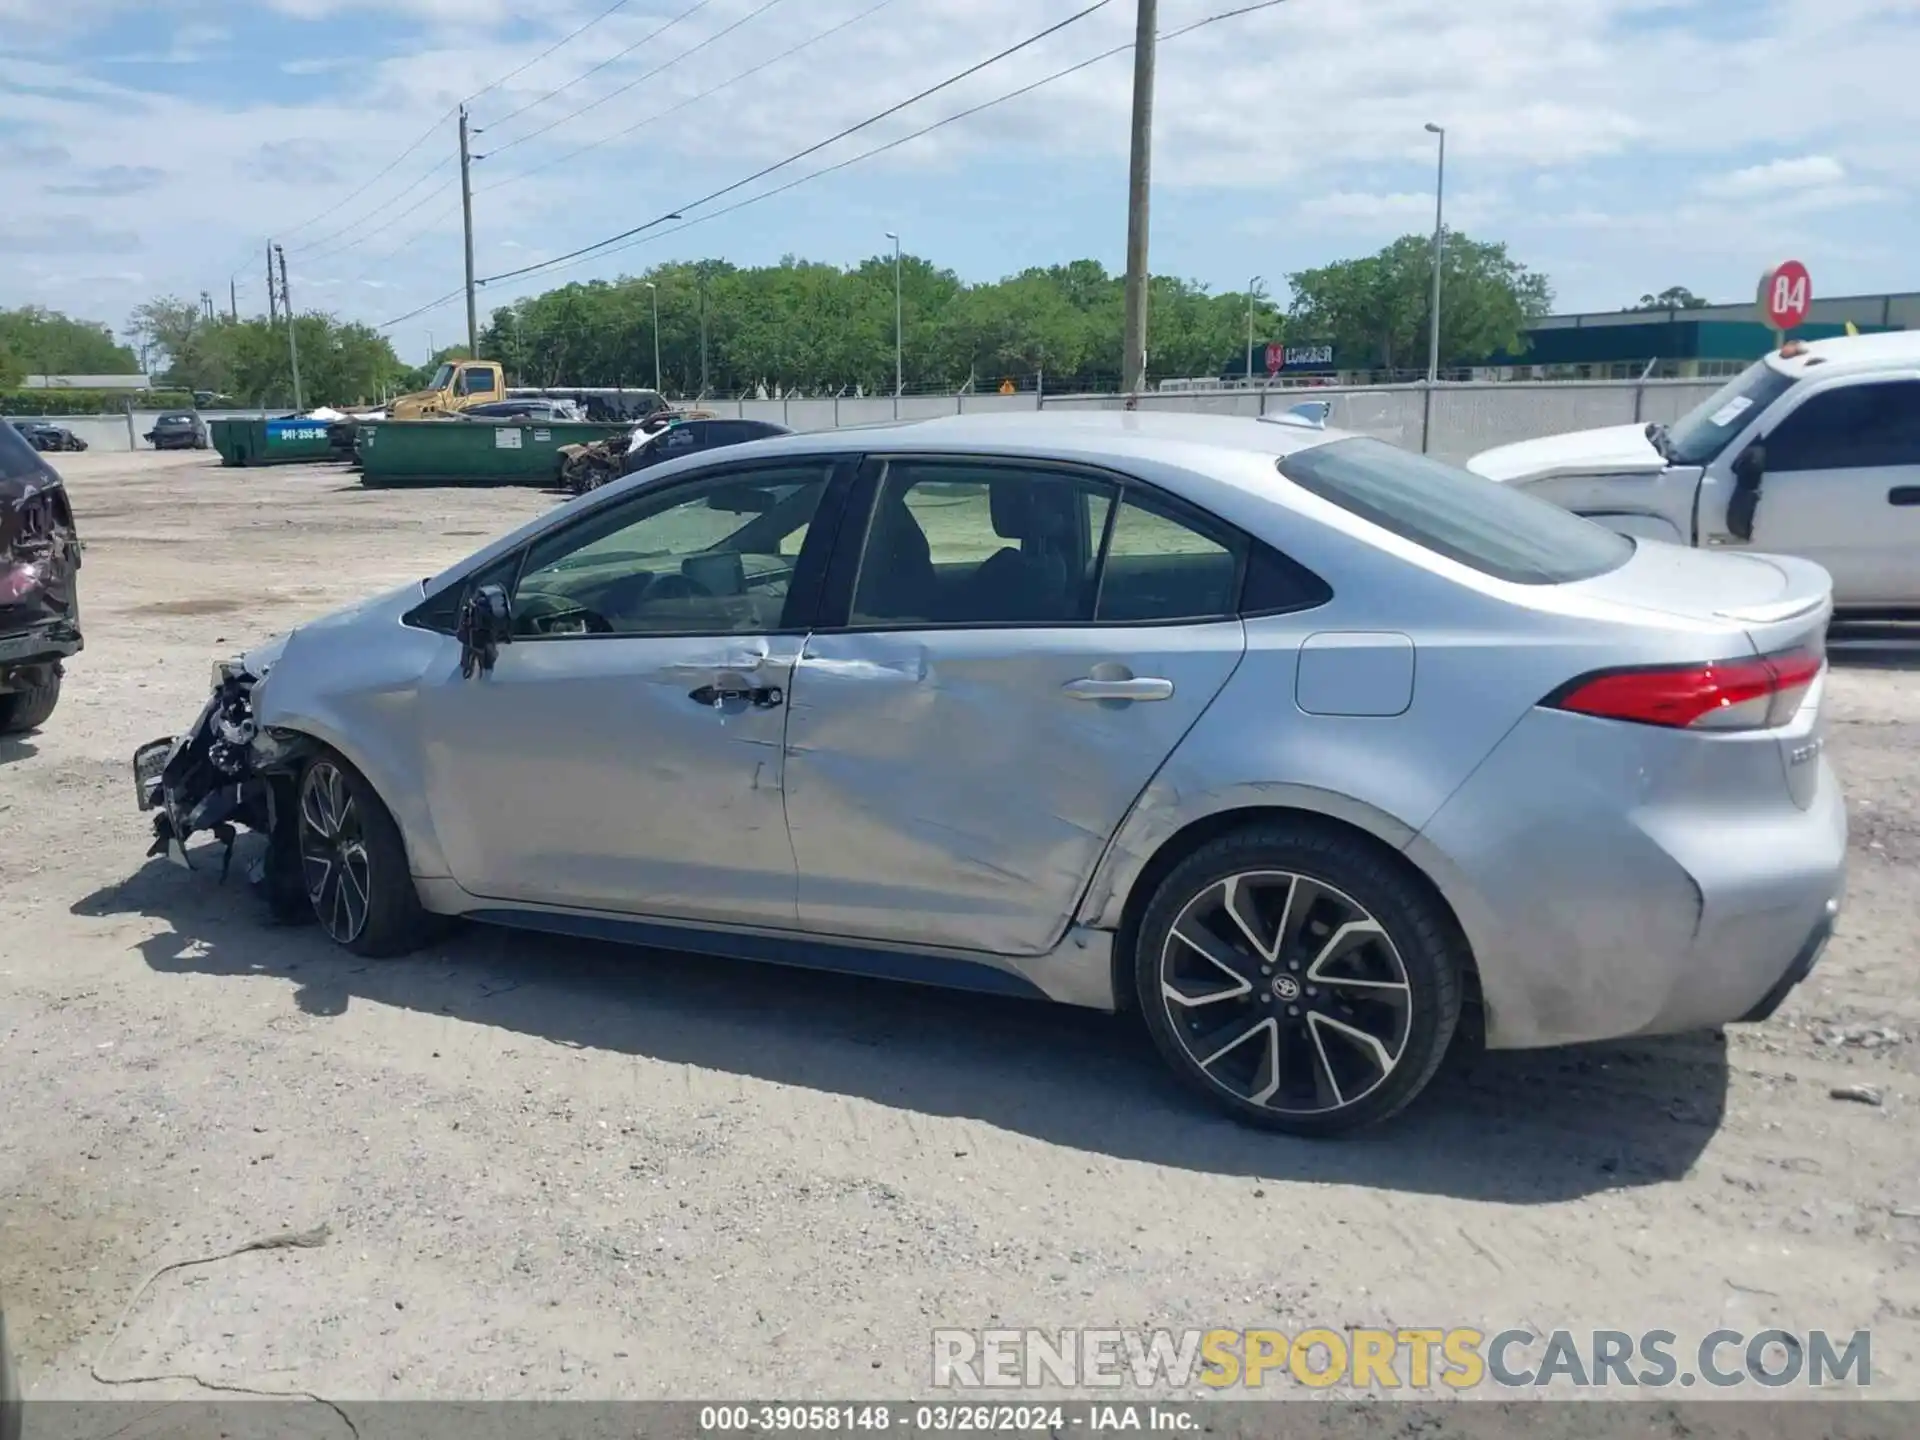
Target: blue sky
{"type": "Point", "coordinates": [153, 146]}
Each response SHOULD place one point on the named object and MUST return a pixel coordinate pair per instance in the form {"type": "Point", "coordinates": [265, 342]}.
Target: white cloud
{"type": "Point", "coordinates": [1776, 177]}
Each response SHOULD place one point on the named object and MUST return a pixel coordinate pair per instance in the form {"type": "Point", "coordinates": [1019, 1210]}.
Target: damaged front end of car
{"type": "Point", "coordinates": [227, 773]}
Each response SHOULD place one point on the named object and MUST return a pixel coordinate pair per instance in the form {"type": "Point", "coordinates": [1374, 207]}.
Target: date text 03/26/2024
{"type": "Point", "coordinates": [943, 1418]}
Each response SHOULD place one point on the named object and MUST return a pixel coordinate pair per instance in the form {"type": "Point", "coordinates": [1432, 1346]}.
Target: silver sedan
{"type": "Point", "coordinates": [1318, 753]}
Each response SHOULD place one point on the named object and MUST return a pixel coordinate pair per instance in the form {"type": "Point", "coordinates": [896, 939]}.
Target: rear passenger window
{"type": "Point", "coordinates": [1159, 568]}
{"type": "Point", "coordinates": [1454, 513]}
{"type": "Point", "coordinates": [958, 544]}
{"type": "Point", "coordinates": [1853, 428]}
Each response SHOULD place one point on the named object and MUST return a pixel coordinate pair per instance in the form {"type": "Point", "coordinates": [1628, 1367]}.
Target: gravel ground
{"type": "Point", "coordinates": [558, 1169]}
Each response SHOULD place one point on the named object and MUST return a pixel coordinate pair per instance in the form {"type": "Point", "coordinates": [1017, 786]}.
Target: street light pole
{"type": "Point", "coordinates": [1439, 248]}
{"type": "Point", "coordinates": [1133, 372]}
{"type": "Point", "coordinates": [1252, 285]}
{"type": "Point", "coordinates": [656, 336]}
{"type": "Point", "coordinates": [899, 350]}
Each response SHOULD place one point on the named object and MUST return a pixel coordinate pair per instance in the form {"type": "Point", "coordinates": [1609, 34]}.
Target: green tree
{"type": "Point", "coordinates": [340, 363]}
{"type": "Point", "coordinates": [1379, 306]}
{"type": "Point", "coordinates": [46, 342]}
{"type": "Point", "coordinates": [1674, 297]}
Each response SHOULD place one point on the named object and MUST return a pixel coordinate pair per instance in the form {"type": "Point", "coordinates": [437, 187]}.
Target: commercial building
{"type": "Point", "coordinates": [1701, 343]}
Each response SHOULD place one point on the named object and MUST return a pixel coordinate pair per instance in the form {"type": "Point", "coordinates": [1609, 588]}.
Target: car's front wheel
{"type": "Point", "coordinates": [1299, 977]}
{"type": "Point", "coordinates": [33, 704]}
{"type": "Point", "coordinates": [354, 863]}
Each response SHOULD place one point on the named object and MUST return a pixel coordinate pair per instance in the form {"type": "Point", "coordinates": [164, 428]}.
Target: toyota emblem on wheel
{"type": "Point", "coordinates": [1285, 987]}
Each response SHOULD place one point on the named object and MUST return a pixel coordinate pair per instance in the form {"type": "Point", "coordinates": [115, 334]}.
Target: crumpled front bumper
{"type": "Point", "coordinates": [213, 776]}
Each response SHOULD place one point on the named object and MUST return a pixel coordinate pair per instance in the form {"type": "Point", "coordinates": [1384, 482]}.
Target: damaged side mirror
{"type": "Point", "coordinates": [486, 623]}
{"type": "Point", "coordinates": [1749, 468]}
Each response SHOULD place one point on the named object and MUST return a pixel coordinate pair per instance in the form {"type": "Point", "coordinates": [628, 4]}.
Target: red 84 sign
{"type": "Point", "coordinates": [1786, 295]}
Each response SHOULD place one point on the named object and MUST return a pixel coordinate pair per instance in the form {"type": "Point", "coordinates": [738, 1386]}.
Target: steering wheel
{"type": "Point", "coordinates": [549, 614]}
{"type": "Point", "coordinates": [678, 587]}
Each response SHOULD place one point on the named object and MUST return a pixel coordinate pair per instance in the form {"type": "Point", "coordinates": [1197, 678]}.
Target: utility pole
{"type": "Point", "coordinates": [1439, 248]}
{"type": "Point", "coordinates": [1252, 286]}
{"type": "Point", "coordinates": [1133, 373]}
{"type": "Point", "coordinates": [899, 334]}
{"type": "Point", "coordinates": [273, 293]}
{"type": "Point", "coordinates": [233, 299]}
{"type": "Point", "coordinates": [293, 344]}
{"type": "Point", "coordinates": [703, 332]}
{"type": "Point", "coordinates": [466, 210]}
{"type": "Point", "coordinates": [654, 291]}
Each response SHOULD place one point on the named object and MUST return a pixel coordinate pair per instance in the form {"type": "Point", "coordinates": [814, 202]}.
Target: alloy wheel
{"type": "Point", "coordinates": [333, 853]}
{"type": "Point", "coordinates": [1285, 992]}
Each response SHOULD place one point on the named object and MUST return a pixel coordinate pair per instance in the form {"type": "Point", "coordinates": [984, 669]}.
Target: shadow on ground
{"type": "Point", "coordinates": [15, 748]}
{"type": "Point", "coordinates": [1518, 1127]}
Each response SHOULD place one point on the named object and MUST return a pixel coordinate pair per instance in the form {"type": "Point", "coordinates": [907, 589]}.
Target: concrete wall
{"type": "Point", "coordinates": [1461, 421]}
{"type": "Point", "coordinates": [109, 432]}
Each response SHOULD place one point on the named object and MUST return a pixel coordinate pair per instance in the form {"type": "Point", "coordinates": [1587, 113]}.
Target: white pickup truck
{"type": "Point", "coordinates": [1812, 451]}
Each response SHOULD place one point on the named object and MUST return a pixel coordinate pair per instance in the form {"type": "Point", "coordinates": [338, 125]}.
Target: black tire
{"type": "Point", "coordinates": [354, 863]}
{"type": "Point", "coordinates": [31, 706]}
{"type": "Point", "coordinates": [1388, 998]}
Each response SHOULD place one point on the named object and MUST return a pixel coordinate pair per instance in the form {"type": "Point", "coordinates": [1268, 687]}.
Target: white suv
{"type": "Point", "coordinates": [1812, 451]}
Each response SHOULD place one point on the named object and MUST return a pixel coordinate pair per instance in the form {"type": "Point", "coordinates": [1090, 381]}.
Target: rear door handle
{"type": "Point", "coordinates": [1904, 495]}
{"type": "Point", "coordinates": [1144, 687]}
{"type": "Point", "coordinates": [761, 697]}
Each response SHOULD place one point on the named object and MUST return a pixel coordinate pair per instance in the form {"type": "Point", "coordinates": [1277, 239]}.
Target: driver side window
{"type": "Point", "coordinates": [711, 557]}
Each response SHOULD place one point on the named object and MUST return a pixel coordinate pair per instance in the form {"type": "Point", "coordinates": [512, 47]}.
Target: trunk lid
{"type": "Point", "coordinates": [1780, 601]}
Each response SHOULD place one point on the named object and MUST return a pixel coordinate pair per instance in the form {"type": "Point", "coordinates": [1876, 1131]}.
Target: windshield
{"type": "Point", "coordinates": [1493, 528]}
{"type": "Point", "coordinates": [1698, 437]}
{"type": "Point", "coordinates": [440, 378]}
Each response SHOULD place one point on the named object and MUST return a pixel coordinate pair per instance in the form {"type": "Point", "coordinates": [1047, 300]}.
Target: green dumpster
{"type": "Point", "coordinates": [254, 440]}
{"type": "Point", "coordinates": [470, 452]}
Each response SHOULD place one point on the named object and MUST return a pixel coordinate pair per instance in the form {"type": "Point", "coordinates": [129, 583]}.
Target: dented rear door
{"type": "Point", "coordinates": [953, 781]}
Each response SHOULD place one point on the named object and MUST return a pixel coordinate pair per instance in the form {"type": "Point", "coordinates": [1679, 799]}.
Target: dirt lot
{"type": "Point", "coordinates": [559, 1169]}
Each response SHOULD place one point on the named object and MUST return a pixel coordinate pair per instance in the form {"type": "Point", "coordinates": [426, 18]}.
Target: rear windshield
{"type": "Point", "coordinates": [1477, 522]}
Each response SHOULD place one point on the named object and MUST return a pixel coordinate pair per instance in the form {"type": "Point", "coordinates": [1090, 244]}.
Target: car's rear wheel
{"type": "Point", "coordinates": [1299, 977]}
{"type": "Point", "coordinates": [354, 863]}
{"type": "Point", "coordinates": [32, 705]}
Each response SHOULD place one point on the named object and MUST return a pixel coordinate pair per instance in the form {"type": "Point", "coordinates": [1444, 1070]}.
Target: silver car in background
{"type": "Point", "coordinates": [1314, 751]}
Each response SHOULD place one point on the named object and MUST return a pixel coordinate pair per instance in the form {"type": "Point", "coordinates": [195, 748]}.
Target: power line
{"type": "Point", "coordinates": [412, 235]}
{"type": "Point", "coordinates": [430, 305]}
{"type": "Point", "coordinates": [1027, 89]}
{"type": "Point", "coordinates": [690, 100]}
{"type": "Point", "coordinates": [367, 185]}
{"type": "Point", "coordinates": [647, 39]}
{"type": "Point", "coordinates": [564, 40]}
{"type": "Point", "coordinates": [428, 134]}
{"type": "Point", "coordinates": [809, 150]}
{"type": "Point", "coordinates": [572, 115]}
{"type": "Point", "coordinates": [356, 243]}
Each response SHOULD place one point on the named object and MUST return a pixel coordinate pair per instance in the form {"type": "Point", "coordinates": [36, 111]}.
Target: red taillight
{"type": "Point", "coordinates": [1754, 694]}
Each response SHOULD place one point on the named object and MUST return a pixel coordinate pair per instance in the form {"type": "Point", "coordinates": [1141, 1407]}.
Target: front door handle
{"type": "Point", "coordinates": [761, 697]}
{"type": "Point", "coordinates": [1144, 687]}
{"type": "Point", "coordinates": [1904, 495]}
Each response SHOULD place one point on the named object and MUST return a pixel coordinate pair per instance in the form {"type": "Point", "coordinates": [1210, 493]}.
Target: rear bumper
{"type": "Point", "coordinates": [1607, 893]}
{"type": "Point", "coordinates": [1801, 967]}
